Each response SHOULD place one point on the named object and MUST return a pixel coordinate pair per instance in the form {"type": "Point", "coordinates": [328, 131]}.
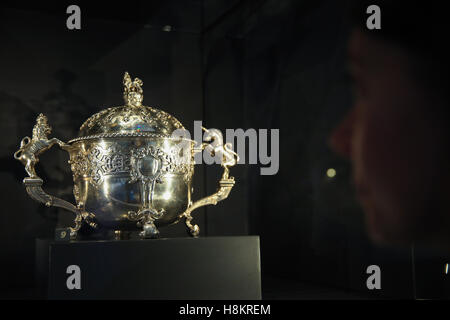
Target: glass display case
{"type": "Point", "coordinates": [234, 65]}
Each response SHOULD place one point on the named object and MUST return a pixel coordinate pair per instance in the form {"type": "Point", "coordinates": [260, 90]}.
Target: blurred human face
{"type": "Point", "coordinates": [396, 146]}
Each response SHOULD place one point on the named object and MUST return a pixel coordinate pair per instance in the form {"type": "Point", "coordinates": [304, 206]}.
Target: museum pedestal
{"type": "Point", "coordinates": [176, 268]}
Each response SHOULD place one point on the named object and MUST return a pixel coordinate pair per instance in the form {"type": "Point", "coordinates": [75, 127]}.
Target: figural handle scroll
{"type": "Point", "coordinates": [228, 159]}
{"type": "Point", "coordinates": [28, 154]}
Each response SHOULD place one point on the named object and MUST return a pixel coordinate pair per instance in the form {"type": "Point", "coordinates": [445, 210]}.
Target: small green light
{"type": "Point", "coordinates": [331, 173]}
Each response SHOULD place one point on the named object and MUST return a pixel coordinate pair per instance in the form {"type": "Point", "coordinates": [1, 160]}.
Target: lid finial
{"type": "Point", "coordinates": [133, 93]}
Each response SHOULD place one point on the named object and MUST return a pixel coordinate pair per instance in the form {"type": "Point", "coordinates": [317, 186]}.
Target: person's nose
{"type": "Point", "coordinates": [340, 139]}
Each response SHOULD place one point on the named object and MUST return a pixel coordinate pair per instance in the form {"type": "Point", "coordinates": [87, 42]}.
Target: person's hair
{"type": "Point", "coordinates": [420, 27]}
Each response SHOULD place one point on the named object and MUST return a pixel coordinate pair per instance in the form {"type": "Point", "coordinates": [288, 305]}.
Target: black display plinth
{"type": "Point", "coordinates": [176, 268]}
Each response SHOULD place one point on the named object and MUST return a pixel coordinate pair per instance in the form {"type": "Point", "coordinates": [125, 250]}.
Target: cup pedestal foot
{"type": "Point", "coordinates": [149, 231]}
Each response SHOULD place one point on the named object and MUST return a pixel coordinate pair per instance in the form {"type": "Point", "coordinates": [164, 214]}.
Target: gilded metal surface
{"type": "Point", "coordinates": [128, 172]}
{"type": "Point", "coordinates": [132, 119]}
{"type": "Point", "coordinates": [226, 183]}
{"type": "Point", "coordinates": [28, 154]}
{"type": "Point", "coordinates": [30, 149]}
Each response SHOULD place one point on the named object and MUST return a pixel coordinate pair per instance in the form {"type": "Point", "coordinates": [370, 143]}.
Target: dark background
{"type": "Point", "coordinates": [232, 64]}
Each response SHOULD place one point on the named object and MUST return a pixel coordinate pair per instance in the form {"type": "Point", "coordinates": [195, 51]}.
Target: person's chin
{"type": "Point", "coordinates": [382, 237]}
{"type": "Point", "coordinates": [383, 232]}
{"type": "Point", "coordinates": [375, 232]}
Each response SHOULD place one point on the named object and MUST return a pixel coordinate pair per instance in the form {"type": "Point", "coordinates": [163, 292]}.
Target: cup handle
{"type": "Point", "coordinates": [226, 182]}
{"type": "Point", "coordinates": [28, 154]}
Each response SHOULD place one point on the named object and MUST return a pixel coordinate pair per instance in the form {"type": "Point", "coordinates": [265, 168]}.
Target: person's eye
{"type": "Point", "coordinates": [358, 89]}
{"type": "Point", "coordinates": [348, 77]}
{"type": "Point", "coordinates": [350, 80]}
{"type": "Point", "coordinates": [356, 85]}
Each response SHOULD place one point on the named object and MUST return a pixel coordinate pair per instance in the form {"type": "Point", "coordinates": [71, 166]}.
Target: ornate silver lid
{"type": "Point", "coordinates": [130, 120]}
